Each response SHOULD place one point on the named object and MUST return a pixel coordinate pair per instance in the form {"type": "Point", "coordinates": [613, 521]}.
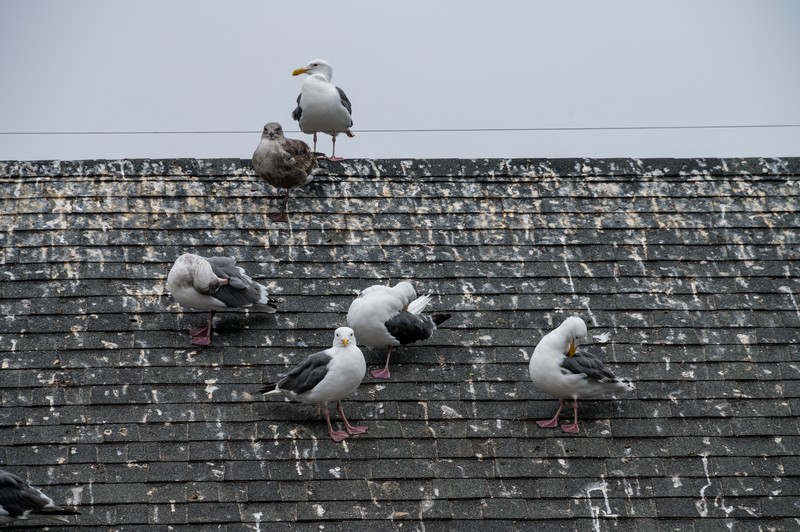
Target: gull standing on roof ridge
{"type": "Point", "coordinates": [322, 107]}
{"type": "Point", "coordinates": [283, 163]}
{"type": "Point", "coordinates": [558, 368]}
{"type": "Point", "coordinates": [387, 316]}
{"type": "Point", "coordinates": [325, 377]}
{"type": "Point", "coordinates": [214, 284]}
{"type": "Point", "coordinates": [19, 501]}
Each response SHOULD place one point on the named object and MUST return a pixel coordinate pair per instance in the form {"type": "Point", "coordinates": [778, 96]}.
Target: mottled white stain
{"type": "Point", "coordinates": [702, 504]}
{"type": "Point", "coordinates": [450, 413]}
{"type": "Point", "coordinates": [596, 511]}
{"type": "Point", "coordinates": [210, 388]}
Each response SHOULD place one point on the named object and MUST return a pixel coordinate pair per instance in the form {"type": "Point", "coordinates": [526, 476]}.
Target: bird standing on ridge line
{"type": "Point", "coordinates": [322, 106]}
{"type": "Point", "coordinates": [283, 163]}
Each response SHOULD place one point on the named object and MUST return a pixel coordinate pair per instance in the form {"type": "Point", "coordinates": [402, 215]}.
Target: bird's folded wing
{"type": "Point", "coordinates": [589, 364]}
{"type": "Point", "coordinates": [307, 374]}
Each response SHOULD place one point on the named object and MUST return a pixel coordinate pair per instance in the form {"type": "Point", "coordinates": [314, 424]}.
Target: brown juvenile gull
{"type": "Point", "coordinates": [322, 106]}
{"type": "Point", "coordinates": [385, 316]}
{"type": "Point", "coordinates": [19, 501]}
{"type": "Point", "coordinates": [325, 377]}
{"type": "Point", "coordinates": [213, 284]}
{"type": "Point", "coordinates": [560, 369]}
{"type": "Point", "coordinates": [283, 163]}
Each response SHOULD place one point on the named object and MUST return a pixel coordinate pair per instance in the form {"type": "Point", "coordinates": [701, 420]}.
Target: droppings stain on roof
{"type": "Point", "coordinates": [689, 266]}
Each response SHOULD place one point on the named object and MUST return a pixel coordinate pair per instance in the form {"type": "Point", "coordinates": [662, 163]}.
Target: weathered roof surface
{"type": "Point", "coordinates": [691, 265]}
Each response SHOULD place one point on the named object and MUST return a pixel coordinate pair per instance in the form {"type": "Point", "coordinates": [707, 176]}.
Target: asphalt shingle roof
{"type": "Point", "coordinates": [691, 265]}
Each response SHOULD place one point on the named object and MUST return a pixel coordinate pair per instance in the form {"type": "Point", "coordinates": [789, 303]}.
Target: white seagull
{"type": "Point", "coordinates": [559, 369]}
{"type": "Point", "coordinates": [384, 317]}
{"type": "Point", "coordinates": [322, 106]}
{"type": "Point", "coordinates": [214, 284]}
{"type": "Point", "coordinates": [325, 377]}
{"type": "Point", "coordinates": [19, 501]}
{"type": "Point", "coordinates": [283, 163]}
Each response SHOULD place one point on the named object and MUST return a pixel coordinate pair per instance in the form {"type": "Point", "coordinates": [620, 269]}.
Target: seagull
{"type": "Point", "coordinates": [19, 501]}
{"type": "Point", "coordinates": [560, 369]}
{"type": "Point", "coordinates": [327, 376]}
{"type": "Point", "coordinates": [322, 106]}
{"type": "Point", "coordinates": [385, 317]}
{"type": "Point", "coordinates": [213, 284]}
{"type": "Point", "coordinates": [283, 163]}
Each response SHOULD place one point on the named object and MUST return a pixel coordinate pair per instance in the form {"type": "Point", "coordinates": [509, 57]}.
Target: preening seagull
{"type": "Point", "coordinates": [325, 377]}
{"type": "Point", "coordinates": [214, 284]}
{"type": "Point", "coordinates": [558, 368]}
{"type": "Point", "coordinates": [384, 317]}
{"type": "Point", "coordinates": [322, 107]}
{"type": "Point", "coordinates": [19, 501]}
{"type": "Point", "coordinates": [283, 163]}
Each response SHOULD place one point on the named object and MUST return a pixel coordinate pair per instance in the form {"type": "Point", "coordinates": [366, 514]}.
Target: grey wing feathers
{"type": "Point", "coordinates": [298, 111]}
{"type": "Point", "coordinates": [241, 290]}
{"type": "Point", "coordinates": [18, 497]}
{"type": "Point", "coordinates": [226, 268]}
{"type": "Point", "coordinates": [237, 298]}
{"type": "Point", "coordinates": [345, 102]}
{"type": "Point", "coordinates": [307, 374]}
{"type": "Point", "coordinates": [589, 364]}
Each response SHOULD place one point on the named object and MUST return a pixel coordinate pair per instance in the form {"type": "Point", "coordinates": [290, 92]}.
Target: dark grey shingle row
{"type": "Point", "coordinates": [690, 264]}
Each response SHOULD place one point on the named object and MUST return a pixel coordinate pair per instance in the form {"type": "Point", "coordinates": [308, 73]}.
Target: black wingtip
{"type": "Point", "coordinates": [50, 511]}
{"type": "Point", "coordinates": [268, 388]}
{"type": "Point", "coordinates": [438, 319]}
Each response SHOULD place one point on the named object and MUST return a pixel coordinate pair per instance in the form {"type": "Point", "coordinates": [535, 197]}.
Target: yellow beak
{"type": "Point", "coordinates": [572, 349]}
{"type": "Point", "coordinates": [299, 71]}
{"type": "Point", "coordinates": [345, 341]}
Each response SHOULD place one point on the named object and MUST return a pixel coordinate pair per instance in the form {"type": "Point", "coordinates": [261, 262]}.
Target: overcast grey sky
{"type": "Point", "coordinates": [196, 65]}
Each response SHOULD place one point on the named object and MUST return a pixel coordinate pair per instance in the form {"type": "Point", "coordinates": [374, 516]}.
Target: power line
{"type": "Point", "coordinates": [417, 130]}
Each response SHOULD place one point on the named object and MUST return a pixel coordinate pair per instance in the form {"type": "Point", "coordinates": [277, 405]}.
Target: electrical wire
{"type": "Point", "coordinates": [417, 130]}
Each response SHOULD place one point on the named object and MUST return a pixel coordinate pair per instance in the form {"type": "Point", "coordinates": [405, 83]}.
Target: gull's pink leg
{"type": "Point", "coordinates": [314, 150]}
{"type": "Point", "coordinates": [550, 423]}
{"type": "Point", "coordinates": [383, 373]}
{"type": "Point", "coordinates": [333, 158]}
{"type": "Point", "coordinates": [572, 428]}
{"type": "Point", "coordinates": [202, 335]}
{"type": "Point", "coordinates": [199, 331]}
{"type": "Point", "coordinates": [336, 436]}
{"type": "Point", "coordinates": [351, 429]}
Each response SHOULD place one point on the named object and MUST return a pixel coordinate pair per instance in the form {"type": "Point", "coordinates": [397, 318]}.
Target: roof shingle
{"type": "Point", "coordinates": [692, 265]}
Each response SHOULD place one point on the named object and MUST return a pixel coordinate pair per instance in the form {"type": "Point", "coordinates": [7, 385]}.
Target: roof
{"type": "Point", "coordinates": [690, 265]}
